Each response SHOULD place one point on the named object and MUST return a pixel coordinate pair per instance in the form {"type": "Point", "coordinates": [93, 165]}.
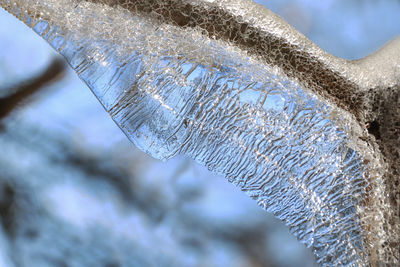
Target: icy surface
{"type": "Point", "coordinates": [176, 90]}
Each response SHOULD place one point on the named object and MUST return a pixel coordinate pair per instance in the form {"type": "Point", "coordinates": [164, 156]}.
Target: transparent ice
{"type": "Point", "coordinates": [175, 90]}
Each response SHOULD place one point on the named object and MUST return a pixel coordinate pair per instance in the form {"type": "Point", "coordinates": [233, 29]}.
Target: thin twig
{"type": "Point", "coordinates": [53, 73]}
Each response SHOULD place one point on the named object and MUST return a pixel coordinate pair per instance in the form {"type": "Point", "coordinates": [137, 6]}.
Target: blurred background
{"type": "Point", "coordinates": [75, 192]}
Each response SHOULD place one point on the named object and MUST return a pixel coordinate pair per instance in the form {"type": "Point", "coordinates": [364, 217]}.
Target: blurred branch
{"type": "Point", "coordinates": [7, 199]}
{"type": "Point", "coordinates": [21, 92]}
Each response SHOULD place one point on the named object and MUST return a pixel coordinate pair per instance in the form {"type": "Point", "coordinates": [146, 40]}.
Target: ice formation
{"type": "Point", "coordinates": [231, 85]}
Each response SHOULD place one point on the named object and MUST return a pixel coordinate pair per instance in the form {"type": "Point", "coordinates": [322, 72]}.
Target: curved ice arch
{"type": "Point", "coordinates": [181, 90]}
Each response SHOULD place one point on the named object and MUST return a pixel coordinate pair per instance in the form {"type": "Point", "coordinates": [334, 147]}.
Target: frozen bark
{"type": "Point", "coordinates": [311, 137]}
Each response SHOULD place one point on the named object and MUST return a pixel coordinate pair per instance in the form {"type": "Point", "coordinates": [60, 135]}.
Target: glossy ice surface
{"type": "Point", "coordinates": [202, 86]}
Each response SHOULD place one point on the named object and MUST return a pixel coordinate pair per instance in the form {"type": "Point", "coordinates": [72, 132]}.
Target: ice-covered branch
{"type": "Point", "coordinates": [233, 86]}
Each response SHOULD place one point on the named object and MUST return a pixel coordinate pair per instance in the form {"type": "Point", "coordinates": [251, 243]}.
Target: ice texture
{"type": "Point", "coordinates": [176, 88]}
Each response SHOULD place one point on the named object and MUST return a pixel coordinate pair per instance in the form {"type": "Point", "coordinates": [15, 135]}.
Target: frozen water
{"type": "Point", "coordinates": [185, 90]}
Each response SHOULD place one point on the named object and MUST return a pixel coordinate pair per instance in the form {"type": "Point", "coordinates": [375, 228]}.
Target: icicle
{"type": "Point", "coordinates": [231, 85]}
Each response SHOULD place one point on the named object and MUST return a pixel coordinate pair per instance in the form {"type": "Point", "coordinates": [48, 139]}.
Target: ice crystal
{"type": "Point", "coordinates": [179, 82]}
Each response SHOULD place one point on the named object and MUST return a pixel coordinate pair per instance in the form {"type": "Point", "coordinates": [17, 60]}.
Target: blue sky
{"type": "Point", "coordinates": [350, 29]}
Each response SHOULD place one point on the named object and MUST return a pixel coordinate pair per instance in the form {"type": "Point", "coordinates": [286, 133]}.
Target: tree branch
{"type": "Point", "coordinates": [53, 73]}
